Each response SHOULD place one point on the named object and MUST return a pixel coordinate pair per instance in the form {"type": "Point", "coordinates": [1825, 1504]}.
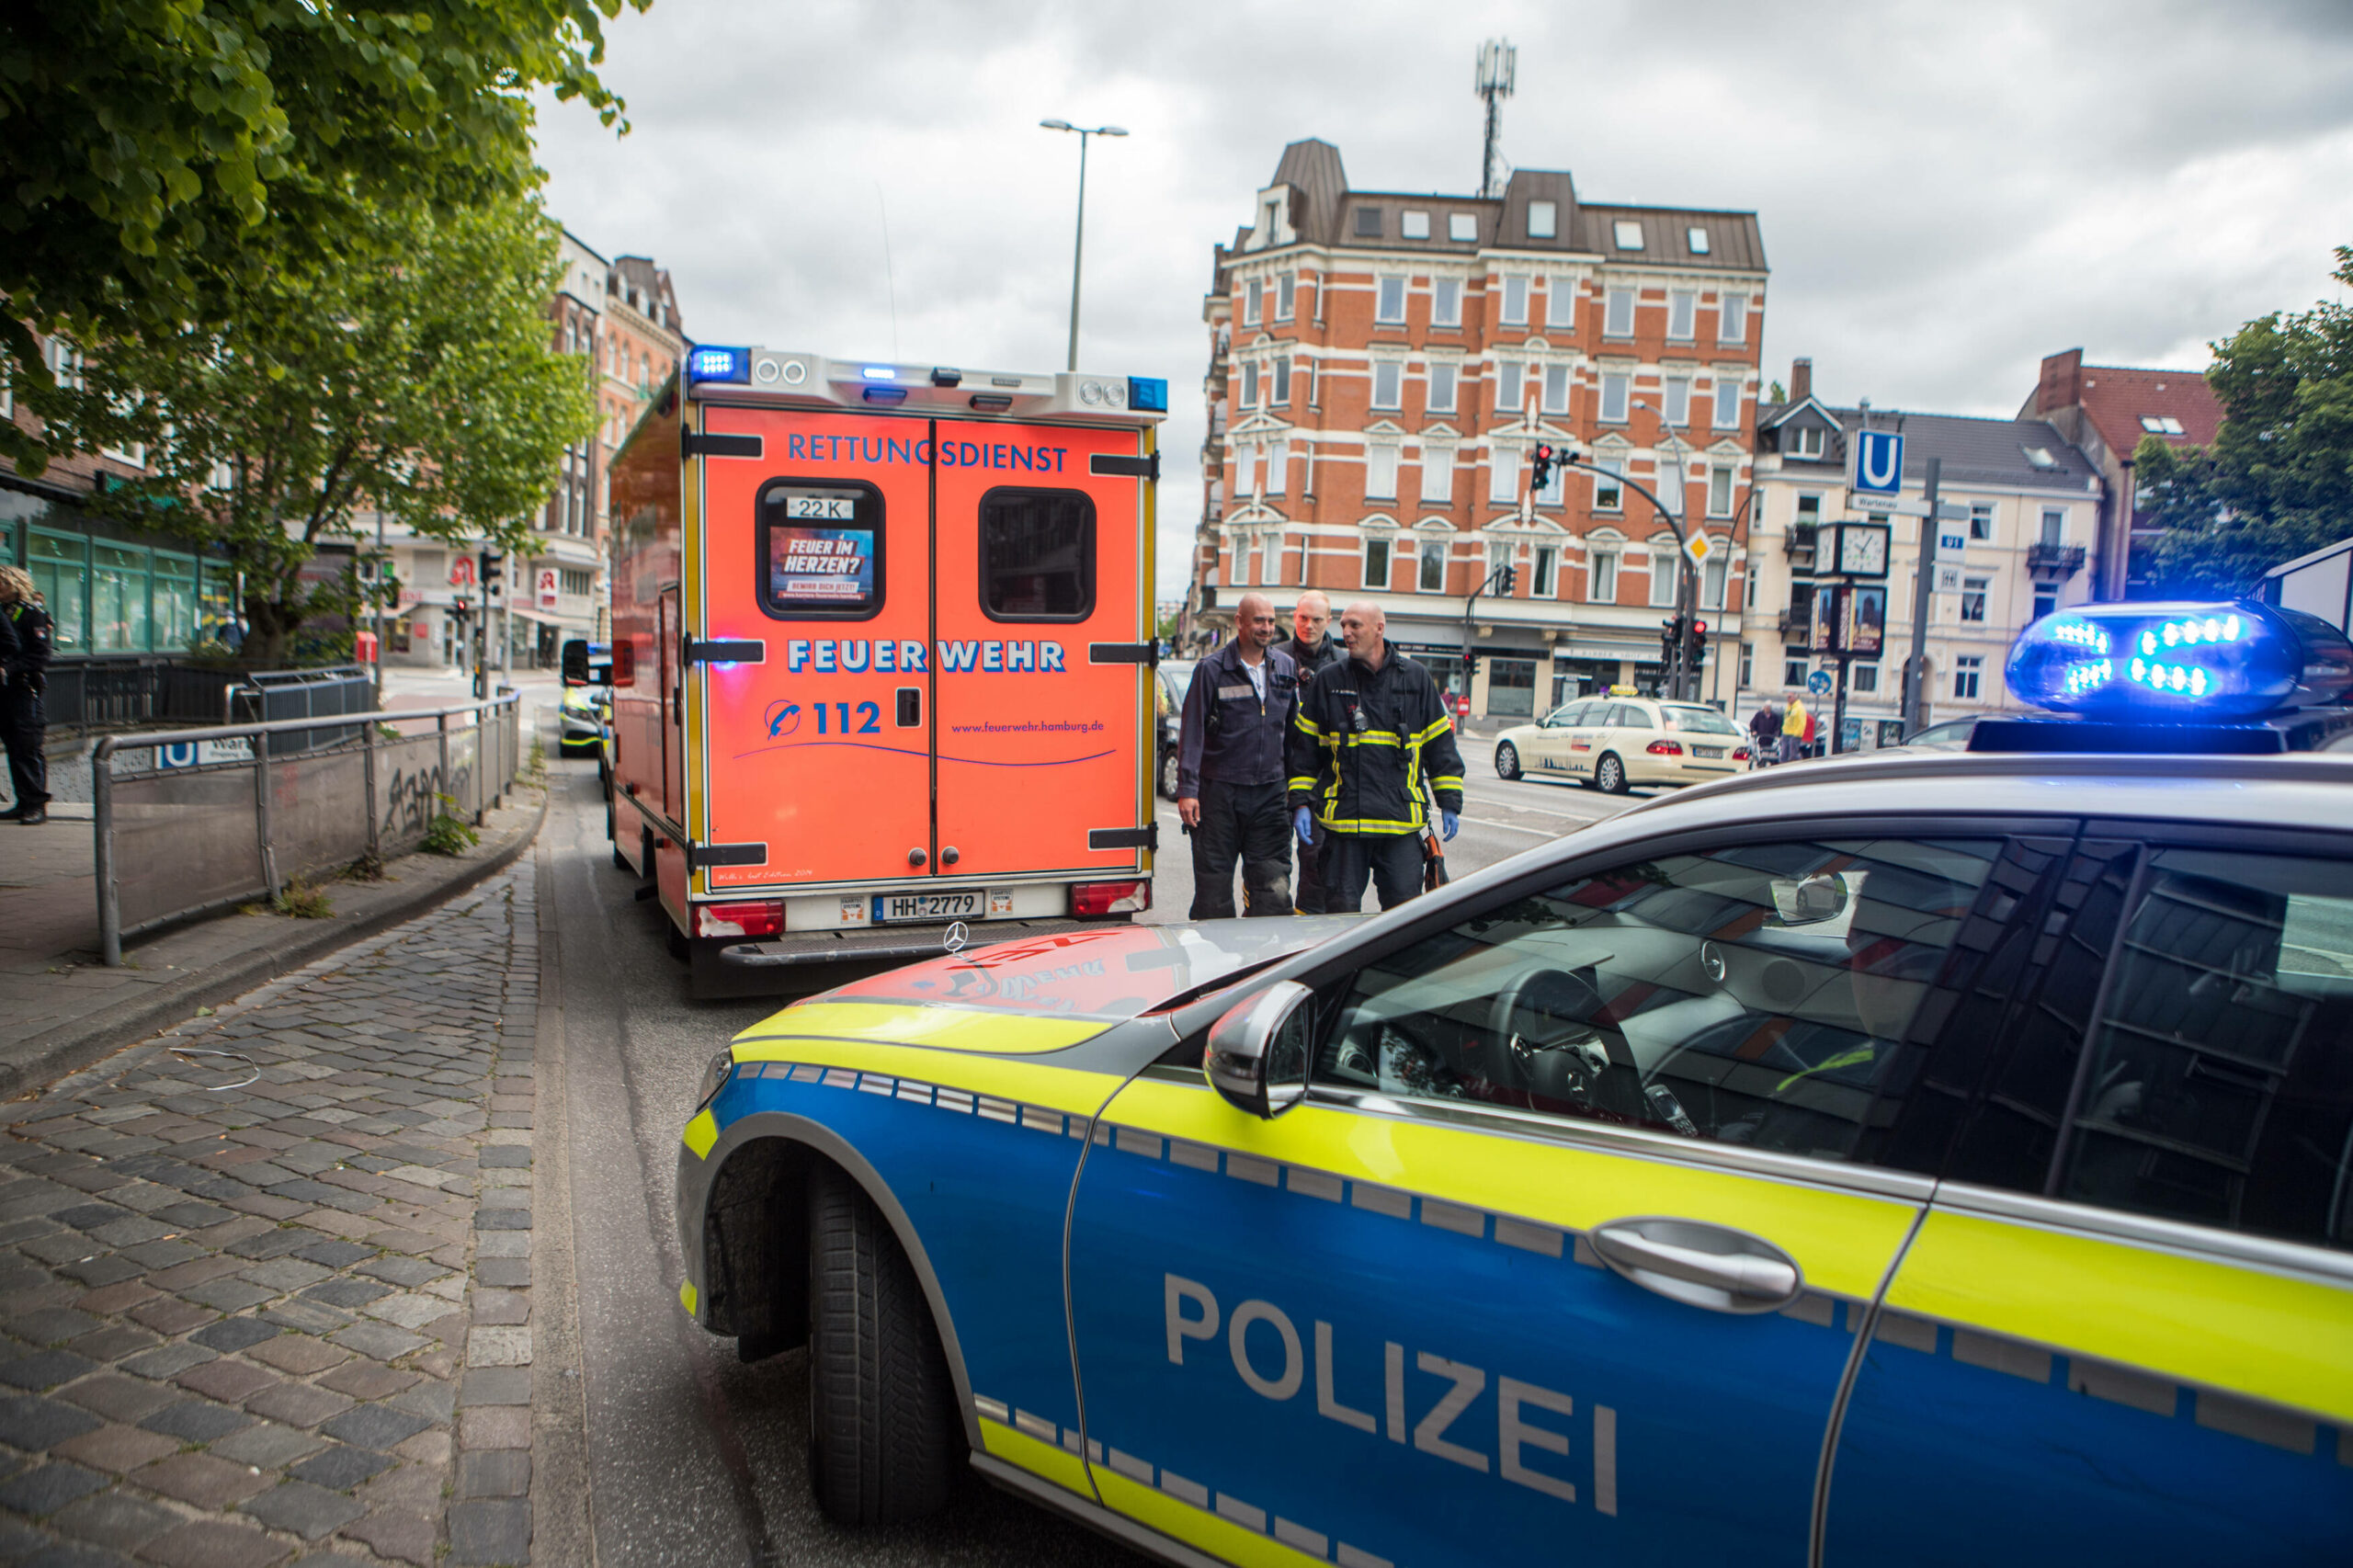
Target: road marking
{"type": "Point", "coordinates": [1511, 826]}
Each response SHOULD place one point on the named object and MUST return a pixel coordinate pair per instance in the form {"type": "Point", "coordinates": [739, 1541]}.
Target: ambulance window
{"type": "Point", "coordinates": [1037, 555]}
{"type": "Point", "coordinates": [820, 551]}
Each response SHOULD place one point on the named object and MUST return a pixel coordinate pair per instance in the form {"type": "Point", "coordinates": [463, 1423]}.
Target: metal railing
{"type": "Point", "coordinates": [200, 820]}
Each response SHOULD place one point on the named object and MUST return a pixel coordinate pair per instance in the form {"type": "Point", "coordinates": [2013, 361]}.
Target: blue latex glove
{"type": "Point", "coordinates": [1447, 825]}
{"type": "Point", "coordinates": [1302, 823]}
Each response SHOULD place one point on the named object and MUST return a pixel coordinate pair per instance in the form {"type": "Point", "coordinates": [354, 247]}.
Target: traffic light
{"type": "Point", "coordinates": [1509, 580]}
{"type": "Point", "coordinates": [1670, 638]}
{"type": "Point", "coordinates": [1539, 468]}
{"type": "Point", "coordinates": [460, 605]}
{"type": "Point", "coordinates": [1696, 650]}
{"type": "Point", "coordinates": [493, 566]}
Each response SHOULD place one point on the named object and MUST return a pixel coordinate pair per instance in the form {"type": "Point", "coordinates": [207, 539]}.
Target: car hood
{"type": "Point", "coordinates": [1045, 993]}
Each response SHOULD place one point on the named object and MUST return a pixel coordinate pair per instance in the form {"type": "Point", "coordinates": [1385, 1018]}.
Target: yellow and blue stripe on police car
{"type": "Point", "coordinates": [1376, 1339]}
{"type": "Point", "coordinates": [2126, 1402]}
{"type": "Point", "coordinates": [980, 1151]}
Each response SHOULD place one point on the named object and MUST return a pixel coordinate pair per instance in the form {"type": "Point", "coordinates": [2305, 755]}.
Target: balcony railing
{"type": "Point", "coordinates": [1801, 543]}
{"type": "Point", "coordinates": [2055, 560]}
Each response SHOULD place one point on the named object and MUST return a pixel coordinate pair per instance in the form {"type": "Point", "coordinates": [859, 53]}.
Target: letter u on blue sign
{"type": "Point", "coordinates": [1879, 461]}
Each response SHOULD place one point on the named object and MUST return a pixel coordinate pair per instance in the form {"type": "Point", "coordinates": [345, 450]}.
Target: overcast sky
{"type": "Point", "coordinates": [1947, 191]}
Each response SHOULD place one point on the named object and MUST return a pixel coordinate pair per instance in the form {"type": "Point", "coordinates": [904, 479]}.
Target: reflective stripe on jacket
{"type": "Point", "coordinates": [1369, 749]}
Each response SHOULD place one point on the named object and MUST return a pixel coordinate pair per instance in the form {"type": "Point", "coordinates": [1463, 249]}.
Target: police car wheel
{"type": "Point", "coordinates": [1609, 775]}
{"type": "Point", "coordinates": [1507, 761]}
{"type": "Point", "coordinates": [885, 1445]}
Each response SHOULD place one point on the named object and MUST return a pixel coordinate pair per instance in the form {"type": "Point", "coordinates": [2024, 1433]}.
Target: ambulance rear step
{"type": "Point", "coordinates": [907, 943]}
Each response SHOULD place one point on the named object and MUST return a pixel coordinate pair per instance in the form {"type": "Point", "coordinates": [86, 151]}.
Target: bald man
{"type": "Point", "coordinates": [1372, 757]}
{"type": "Point", "coordinates": [1310, 648]}
{"type": "Point", "coordinates": [1229, 789]}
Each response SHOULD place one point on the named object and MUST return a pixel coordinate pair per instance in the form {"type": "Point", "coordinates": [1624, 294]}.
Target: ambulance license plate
{"type": "Point", "coordinates": [925, 906]}
{"type": "Point", "coordinates": [1707, 751]}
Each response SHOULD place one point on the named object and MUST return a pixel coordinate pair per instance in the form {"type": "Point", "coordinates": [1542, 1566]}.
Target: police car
{"type": "Point", "coordinates": [1620, 740]}
{"type": "Point", "coordinates": [1942, 1159]}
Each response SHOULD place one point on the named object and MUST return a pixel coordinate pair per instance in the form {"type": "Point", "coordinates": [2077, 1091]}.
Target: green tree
{"type": "Point", "coordinates": [2277, 481]}
{"type": "Point", "coordinates": [158, 157]}
{"type": "Point", "coordinates": [416, 376]}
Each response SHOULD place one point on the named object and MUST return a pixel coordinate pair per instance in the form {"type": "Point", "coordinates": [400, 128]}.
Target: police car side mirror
{"type": "Point", "coordinates": [1257, 1051]}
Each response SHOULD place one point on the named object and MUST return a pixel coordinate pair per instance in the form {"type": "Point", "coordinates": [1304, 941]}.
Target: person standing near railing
{"type": "Point", "coordinates": [24, 656]}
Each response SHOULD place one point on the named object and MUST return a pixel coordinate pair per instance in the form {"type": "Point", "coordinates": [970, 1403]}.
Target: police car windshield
{"type": "Point", "coordinates": [1697, 720]}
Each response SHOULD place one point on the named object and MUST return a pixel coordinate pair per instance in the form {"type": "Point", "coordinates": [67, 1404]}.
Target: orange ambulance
{"type": "Point", "coordinates": [882, 639]}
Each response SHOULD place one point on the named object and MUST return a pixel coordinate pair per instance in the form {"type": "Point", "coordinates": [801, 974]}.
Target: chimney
{"type": "Point", "coordinates": [1801, 380]}
{"type": "Point", "coordinates": [2062, 381]}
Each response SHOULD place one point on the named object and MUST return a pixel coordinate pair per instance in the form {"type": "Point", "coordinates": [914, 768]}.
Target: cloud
{"type": "Point", "coordinates": [1946, 192]}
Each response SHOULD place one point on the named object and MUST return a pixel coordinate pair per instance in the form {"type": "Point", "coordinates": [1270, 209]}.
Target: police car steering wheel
{"type": "Point", "coordinates": [1545, 1044]}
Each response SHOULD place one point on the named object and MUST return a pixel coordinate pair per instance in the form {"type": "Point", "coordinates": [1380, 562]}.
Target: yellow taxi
{"type": "Point", "coordinates": [1620, 740]}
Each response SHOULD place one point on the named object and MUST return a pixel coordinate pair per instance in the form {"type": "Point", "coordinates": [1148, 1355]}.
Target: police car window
{"type": "Point", "coordinates": [1771, 995]}
{"type": "Point", "coordinates": [1036, 555]}
{"type": "Point", "coordinates": [2218, 1087]}
{"type": "Point", "coordinates": [820, 550]}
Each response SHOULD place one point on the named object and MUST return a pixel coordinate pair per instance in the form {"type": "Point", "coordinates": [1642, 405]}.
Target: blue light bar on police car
{"type": "Point", "coordinates": [705, 364]}
{"type": "Point", "coordinates": [2179, 663]}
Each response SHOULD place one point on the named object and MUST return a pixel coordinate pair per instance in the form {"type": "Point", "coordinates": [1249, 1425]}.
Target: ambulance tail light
{"type": "Point", "coordinates": [1147, 394]}
{"type": "Point", "coordinates": [1088, 900]}
{"type": "Point", "coordinates": [763, 917]}
{"type": "Point", "coordinates": [1665, 748]}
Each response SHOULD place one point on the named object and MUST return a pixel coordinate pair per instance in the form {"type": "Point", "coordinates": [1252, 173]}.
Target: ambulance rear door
{"type": "Point", "coordinates": [816, 744]}
{"type": "Point", "coordinates": [1042, 640]}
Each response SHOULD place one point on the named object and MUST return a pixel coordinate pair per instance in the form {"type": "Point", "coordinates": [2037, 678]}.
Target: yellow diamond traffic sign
{"type": "Point", "coordinates": [1701, 549]}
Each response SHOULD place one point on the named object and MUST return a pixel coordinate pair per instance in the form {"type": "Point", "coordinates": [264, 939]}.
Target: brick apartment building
{"type": "Point", "coordinates": [2107, 411]}
{"type": "Point", "coordinates": [1373, 357]}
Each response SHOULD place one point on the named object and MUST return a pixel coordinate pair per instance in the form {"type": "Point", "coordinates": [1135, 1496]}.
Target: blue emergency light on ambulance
{"type": "Point", "coordinates": [2179, 663]}
{"type": "Point", "coordinates": [709, 364]}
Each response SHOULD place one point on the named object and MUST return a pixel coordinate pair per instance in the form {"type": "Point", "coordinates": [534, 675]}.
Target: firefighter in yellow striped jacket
{"type": "Point", "coordinates": [1372, 755]}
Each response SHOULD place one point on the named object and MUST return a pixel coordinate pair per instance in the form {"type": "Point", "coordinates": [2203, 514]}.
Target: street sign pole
{"type": "Point", "coordinates": [1923, 581]}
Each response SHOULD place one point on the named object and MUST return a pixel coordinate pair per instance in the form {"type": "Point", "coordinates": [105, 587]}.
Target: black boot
{"type": "Point", "coordinates": [34, 818]}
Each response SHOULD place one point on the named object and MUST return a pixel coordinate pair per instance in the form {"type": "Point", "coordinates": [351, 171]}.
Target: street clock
{"type": "Point", "coordinates": [1860, 550]}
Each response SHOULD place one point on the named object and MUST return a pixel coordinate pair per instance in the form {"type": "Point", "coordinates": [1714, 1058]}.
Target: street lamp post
{"type": "Point", "coordinates": [1078, 246]}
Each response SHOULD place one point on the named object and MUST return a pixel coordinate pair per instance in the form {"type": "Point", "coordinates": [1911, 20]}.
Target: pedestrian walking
{"type": "Point", "coordinates": [1372, 764]}
{"type": "Point", "coordinates": [1794, 720]}
{"type": "Point", "coordinates": [1230, 792]}
{"type": "Point", "coordinates": [24, 662]}
{"type": "Point", "coordinates": [1812, 747]}
{"type": "Point", "coordinates": [1312, 647]}
{"type": "Point", "coordinates": [1764, 734]}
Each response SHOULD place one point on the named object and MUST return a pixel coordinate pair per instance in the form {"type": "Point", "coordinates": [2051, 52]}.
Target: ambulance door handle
{"type": "Point", "coordinates": [947, 856]}
{"type": "Point", "coordinates": [917, 856]}
{"type": "Point", "coordinates": [1713, 1267]}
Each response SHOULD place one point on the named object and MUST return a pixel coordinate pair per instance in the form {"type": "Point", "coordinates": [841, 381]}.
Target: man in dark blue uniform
{"type": "Point", "coordinates": [1229, 768]}
{"type": "Point", "coordinates": [24, 658]}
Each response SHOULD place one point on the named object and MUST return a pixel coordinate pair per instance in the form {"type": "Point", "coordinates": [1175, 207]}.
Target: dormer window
{"type": "Point", "coordinates": [1543, 220]}
{"type": "Point", "coordinates": [1413, 225]}
{"type": "Point", "coordinates": [1697, 238]}
{"type": "Point", "coordinates": [1368, 222]}
{"type": "Point", "coordinates": [1462, 228]}
{"type": "Point", "coordinates": [1629, 233]}
{"type": "Point", "coordinates": [1805, 441]}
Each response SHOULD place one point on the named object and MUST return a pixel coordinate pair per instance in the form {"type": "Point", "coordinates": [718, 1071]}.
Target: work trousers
{"type": "Point", "coordinates": [1244, 822]}
{"type": "Point", "coordinates": [1394, 861]}
{"type": "Point", "coordinates": [21, 727]}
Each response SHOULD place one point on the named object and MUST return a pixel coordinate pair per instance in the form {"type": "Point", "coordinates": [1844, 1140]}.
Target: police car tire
{"type": "Point", "coordinates": [885, 1445]}
{"type": "Point", "coordinates": [1609, 774]}
{"type": "Point", "coordinates": [1507, 761]}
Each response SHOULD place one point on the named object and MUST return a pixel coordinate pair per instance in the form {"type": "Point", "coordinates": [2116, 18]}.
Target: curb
{"type": "Point", "coordinates": [88, 1039]}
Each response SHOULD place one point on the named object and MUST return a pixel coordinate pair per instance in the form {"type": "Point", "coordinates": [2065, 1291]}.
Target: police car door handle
{"type": "Point", "coordinates": [1706, 1266]}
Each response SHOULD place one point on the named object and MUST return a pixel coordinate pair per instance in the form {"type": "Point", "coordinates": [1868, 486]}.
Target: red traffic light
{"type": "Point", "coordinates": [1699, 629]}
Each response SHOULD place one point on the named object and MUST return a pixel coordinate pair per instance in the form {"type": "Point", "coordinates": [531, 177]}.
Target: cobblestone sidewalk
{"type": "Point", "coordinates": [290, 1319]}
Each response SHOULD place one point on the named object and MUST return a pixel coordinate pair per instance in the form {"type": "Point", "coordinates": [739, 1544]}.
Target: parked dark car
{"type": "Point", "coordinates": [1175, 675]}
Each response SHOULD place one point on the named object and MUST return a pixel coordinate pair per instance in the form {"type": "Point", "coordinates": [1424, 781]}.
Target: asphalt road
{"type": "Point", "coordinates": [692, 1456]}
